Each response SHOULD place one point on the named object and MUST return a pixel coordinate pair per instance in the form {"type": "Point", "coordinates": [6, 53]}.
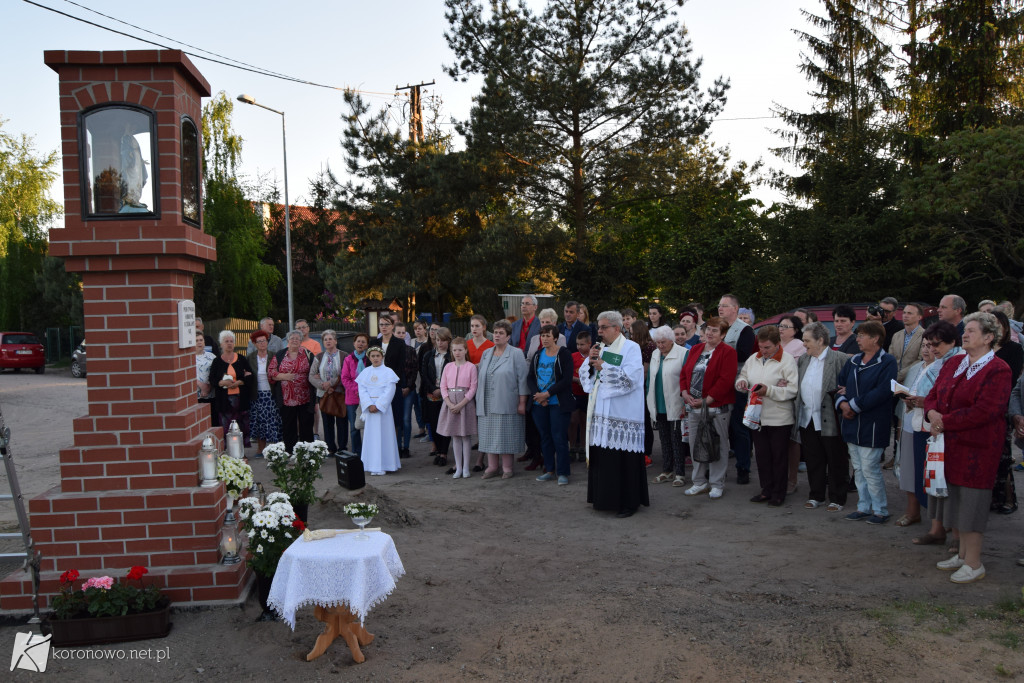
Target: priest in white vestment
{"type": "Point", "coordinates": [613, 375]}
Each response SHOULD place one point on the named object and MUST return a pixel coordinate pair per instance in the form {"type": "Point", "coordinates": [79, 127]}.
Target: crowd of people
{"type": "Point", "coordinates": [874, 395]}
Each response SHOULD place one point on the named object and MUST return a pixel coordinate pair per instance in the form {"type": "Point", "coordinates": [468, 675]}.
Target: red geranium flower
{"type": "Point", "coordinates": [298, 524]}
{"type": "Point", "coordinates": [70, 576]}
{"type": "Point", "coordinates": [136, 573]}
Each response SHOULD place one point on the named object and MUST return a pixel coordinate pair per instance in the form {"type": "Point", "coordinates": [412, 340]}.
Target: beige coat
{"type": "Point", "coordinates": [905, 359]}
{"type": "Point", "coordinates": [777, 404]}
{"type": "Point", "coordinates": [670, 371]}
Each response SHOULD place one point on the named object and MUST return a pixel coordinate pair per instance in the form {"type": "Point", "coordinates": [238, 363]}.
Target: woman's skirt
{"type": "Point", "coordinates": [502, 433]}
{"type": "Point", "coordinates": [264, 420]}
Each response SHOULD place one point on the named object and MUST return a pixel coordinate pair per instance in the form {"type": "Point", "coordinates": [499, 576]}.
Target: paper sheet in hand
{"type": "Point", "coordinates": [898, 388]}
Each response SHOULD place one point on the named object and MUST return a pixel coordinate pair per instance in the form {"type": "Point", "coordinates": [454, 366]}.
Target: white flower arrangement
{"type": "Point", "coordinates": [297, 474]}
{"type": "Point", "coordinates": [246, 506]}
{"type": "Point", "coordinates": [272, 527]}
{"type": "Point", "coordinates": [236, 474]}
{"type": "Point", "coordinates": [361, 510]}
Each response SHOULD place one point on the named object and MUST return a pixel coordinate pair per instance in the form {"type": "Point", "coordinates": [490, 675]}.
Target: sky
{"type": "Point", "coordinates": [372, 46]}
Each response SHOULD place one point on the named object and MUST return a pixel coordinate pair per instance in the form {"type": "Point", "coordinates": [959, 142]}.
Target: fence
{"type": "Point", "coordinates": [61, 342]}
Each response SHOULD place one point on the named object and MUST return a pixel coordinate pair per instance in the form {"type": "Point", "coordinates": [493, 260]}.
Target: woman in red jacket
{"type": "Point", "coordinates": [707, 379]}
{"type": "Point", "coordinates": [968, 406]}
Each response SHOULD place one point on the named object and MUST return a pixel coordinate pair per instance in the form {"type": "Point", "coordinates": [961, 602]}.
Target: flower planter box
{"type": "Point", "coordinates": [99, 630]}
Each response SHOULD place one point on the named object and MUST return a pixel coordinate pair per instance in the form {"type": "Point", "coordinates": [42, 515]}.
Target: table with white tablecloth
{"type": "Point", "coordinates": [343, 577]}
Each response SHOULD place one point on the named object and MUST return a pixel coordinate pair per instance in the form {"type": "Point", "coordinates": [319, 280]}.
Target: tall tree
{"type": "Point", "coordinates": [973, 62]}
{"type": "Point", "coordinates": [239, 283]}
{"type": "Point", "coordinates": [841, 217]}
{"type": "Point", "coordinates": [426, 221]}
{"type": "Point", "coordinates": [967, 212]}
{"type": "Point", "coordinates": [26, 214]}
{"type": "Point", "coordinates": [586, 98]}
{"type": "Point", "coordinates": [316, 236]}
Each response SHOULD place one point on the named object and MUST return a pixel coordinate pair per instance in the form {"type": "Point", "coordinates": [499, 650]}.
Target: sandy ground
{"type": "Point", "coordinates": [520, 580]}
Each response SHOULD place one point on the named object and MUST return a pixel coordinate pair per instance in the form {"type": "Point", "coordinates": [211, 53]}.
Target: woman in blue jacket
{"type": "Point", "coordinates": [864, 401]}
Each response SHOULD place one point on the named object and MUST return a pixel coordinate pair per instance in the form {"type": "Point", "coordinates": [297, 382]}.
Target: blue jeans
{"type": "Point", "coordinates": [867, 472]}
{"type": "Point", "coordinates": [418, 409]}
{"type": "Point", "coordinates": [739, 435]}
{"type": "Point", "coordinates": [408, 403]}
{"type": "Point", "coordinates": [357, 438]}
{"type": "Point", "coordinates": [553, 426]}
{"type": "Point", "coordinates": [335, 431]}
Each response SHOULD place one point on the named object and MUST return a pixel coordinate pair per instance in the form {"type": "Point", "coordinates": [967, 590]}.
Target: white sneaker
{"type": "Point", "coordinates": [967, 575]}
{"type": "Point", "coordinates": [716, 493]}
{"type": "Point", "coordinates": [695, 490]}
{"type": "Point", "coordinates": [949, 565]}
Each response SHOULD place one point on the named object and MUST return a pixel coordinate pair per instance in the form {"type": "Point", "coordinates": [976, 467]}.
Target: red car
{"type": "Point", "coordinates": [824, 313]}
{"type": "Point", "coordinates": [22, 350]}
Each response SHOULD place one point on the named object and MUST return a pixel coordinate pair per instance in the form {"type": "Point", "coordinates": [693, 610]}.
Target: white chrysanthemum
{"type": "Point", "coordinates": [282, 509]}
{"type": "Point", "coordinates": [263, 534]}
{"type": "Point", "coordinates": [287, 535]}
{"type": "Point", "coordinates": [277, 497]}
{"type": "Point", "coordinates": [252, 533]}
{"type": "Point", "coordinates": [259, 548]}
{"type": "Point", "coordinates": [270, 538]}
{"type": "Point", "coordinates": [266, 519]}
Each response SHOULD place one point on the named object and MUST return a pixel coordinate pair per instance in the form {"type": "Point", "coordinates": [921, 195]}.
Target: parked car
{"type": "Point", "coordinates": [78, 361]}
{"type": "Point", "coordinates": [824, 313]}
{"type": "Point", "coordinates": [22, 350]}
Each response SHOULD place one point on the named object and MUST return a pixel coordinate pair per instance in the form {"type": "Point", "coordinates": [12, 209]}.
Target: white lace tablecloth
{"type": "Point", "coordinates": [342, 570]}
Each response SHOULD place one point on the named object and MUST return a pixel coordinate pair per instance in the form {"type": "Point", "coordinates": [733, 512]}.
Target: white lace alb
{"type": "Point", "coordinates": [335, 571]}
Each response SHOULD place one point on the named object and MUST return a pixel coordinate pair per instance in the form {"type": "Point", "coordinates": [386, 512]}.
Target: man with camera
{"type": "Point", "coordinates": [885, 312]}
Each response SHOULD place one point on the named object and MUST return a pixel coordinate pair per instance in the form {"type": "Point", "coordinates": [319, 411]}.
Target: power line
{"type": "Point", "coordinates": [236, 65]}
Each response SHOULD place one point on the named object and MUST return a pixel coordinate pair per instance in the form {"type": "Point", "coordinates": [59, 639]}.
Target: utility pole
{"type": "Point", "coordinates": [415, 111]}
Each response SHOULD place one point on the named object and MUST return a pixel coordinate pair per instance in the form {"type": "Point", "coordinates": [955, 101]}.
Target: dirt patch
{"type": "Point", "coordinates": [516, 580]}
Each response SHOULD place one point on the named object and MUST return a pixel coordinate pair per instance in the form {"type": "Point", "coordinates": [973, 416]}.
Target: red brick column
{"type": "Point", "coordinates": [129, 492]}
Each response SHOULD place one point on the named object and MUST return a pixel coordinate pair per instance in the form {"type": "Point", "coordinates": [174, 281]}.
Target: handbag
{"type": "Point", "coordinates": [333, 404]}
{"type": "Point", "coordinates": [752, 413]}
{"type": "Point", "coordinates": [706, 445]}
{"type": "Point", "coordinates": [935, 468]}
{"type": "Point", "coordinates": [359, 421]}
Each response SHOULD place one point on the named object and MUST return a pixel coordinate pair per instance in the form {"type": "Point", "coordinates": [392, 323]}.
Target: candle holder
{"type": "Point", "coordinates": [208, 463]}
{"type": "Point", "coordinates": [233, 441]}
{"type": "Point", "coordinates": [229, 546]}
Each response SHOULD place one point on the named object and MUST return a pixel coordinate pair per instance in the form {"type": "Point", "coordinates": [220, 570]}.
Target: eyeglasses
{"type": "Point", "coordinates": [786, 327]}
{"type": "Point", "coordinates": [605, 327]}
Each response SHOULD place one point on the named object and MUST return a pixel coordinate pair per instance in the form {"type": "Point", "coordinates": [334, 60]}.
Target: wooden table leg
{"type": "Point", "coordinates": [339, 621]}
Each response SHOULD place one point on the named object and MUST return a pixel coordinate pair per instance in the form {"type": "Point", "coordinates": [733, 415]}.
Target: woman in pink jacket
{"type": "Point", "coordinates": [350, 369]}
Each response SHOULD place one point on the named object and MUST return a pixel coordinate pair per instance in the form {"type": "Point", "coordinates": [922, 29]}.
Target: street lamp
{"type": "Point", "coordinates": [249, 99]}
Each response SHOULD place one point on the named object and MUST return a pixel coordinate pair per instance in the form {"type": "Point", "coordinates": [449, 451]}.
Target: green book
{"type": "Point", "coordinates": [611, 358]}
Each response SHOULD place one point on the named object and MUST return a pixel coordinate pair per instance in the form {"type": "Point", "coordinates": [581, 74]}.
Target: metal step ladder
{"type": "Point", "coordinates": [31, 555]}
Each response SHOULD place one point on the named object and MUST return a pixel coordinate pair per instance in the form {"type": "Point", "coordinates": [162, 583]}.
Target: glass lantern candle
{"type": "Point", "coordinates": [233, 440]}
{"type": "Point", "coordinates": [208, 463]}
{"type": "Point", "coordinates": [229, 546]}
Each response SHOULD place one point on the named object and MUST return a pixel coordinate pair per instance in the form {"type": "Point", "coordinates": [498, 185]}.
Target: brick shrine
{"type": "Point", "coordinates": [129, 489]}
